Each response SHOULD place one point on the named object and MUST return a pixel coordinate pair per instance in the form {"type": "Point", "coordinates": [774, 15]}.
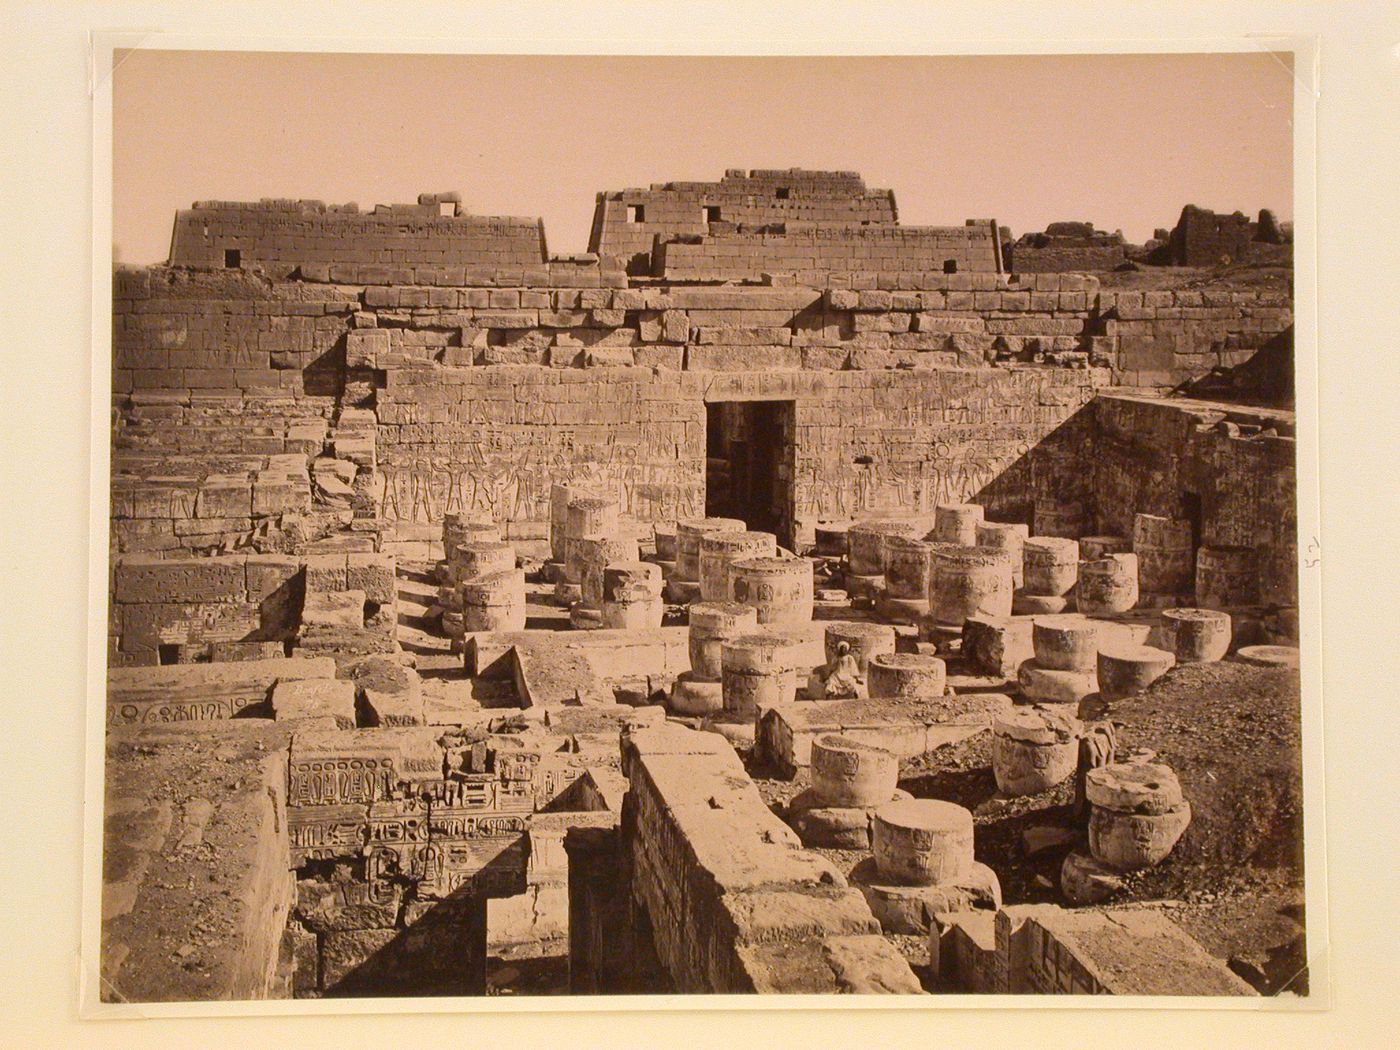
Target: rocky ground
{"type": "Point", "coordinates": [1234, 882]}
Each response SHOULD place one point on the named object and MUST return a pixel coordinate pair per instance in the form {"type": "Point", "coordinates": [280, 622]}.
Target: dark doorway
{"type": "Point", "coordinates": [749, 463]}
{"type": "Point", "coordinates": [1191, 511]}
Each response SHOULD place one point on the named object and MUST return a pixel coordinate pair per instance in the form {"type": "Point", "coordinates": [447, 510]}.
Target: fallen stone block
{"type": "Point", "coordinates": [786, 732]}
{"type": "Point", "coordinates": [334, 609]}
{"type": "Point", "coordinates": [315, 698]}
{"type": "Point", "coordinates": [548, 674]}
{"type": "Point", "coordinates": [390, 694]}
{"type": "Point", "coordinates": [201, 692]}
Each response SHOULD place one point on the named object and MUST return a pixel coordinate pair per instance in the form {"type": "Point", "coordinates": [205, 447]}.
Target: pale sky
{"type": "Point", "coordinates": [1123, 141]}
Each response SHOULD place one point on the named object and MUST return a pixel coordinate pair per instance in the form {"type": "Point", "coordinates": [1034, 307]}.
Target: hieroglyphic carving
{"type": "Point", "coordinates": [325, 832]}
{"type": "Point", "coordinates": [503, 480]}
{"type": "Point", "coordinates": [340, 779]}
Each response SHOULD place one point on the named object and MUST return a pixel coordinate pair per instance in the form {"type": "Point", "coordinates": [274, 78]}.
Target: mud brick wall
{"type": "Point", "coordinates": [1162, 338]}
{"type": "Point", "coordinates": [1150, 455]}
{"type": "Point", "coordinates": [973, 248]}
{"type": "Point", "coordinates": [1203, 238]}
{"type": "Point", "coordinates": [280, 236]}
{"type": "Point", "coordinates": [752, 197]}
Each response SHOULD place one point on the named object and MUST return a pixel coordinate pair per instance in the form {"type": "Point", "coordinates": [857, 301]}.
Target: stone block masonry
{"type": "Point", "coordinates": [735, 903]}
{"type": "Point", "coordinates": [474, 439]}
{"type": "Point", "coordinates": [627, 222]}
{"type": "Point", "coordinates": [306, 388]}
{"type": "Point", "coordinates": [814, 253]}
{"type": "Point", "coordinates": [176, 609]}
{"type": "Point", "coordinates": [1229, 471]}
{"type": "Point", "coordinates": [281, 236]}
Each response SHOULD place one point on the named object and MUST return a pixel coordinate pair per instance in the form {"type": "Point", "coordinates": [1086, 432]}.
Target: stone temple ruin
{"type": "Point", "coordinates": [774, 598]}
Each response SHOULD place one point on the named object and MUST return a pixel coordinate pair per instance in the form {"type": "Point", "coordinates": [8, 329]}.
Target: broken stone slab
{"type": "Point", "coordinates": [1134, 787]}
{"type": "Point", "coordinates": [855, 964]}
{"type": "Point", "coordinates": [1044, 685]}
{"type": "Point", "coordinates": [1083, 880]}
{"type": "Point", "coordinates": [611, 719]}
{"type": "Point", "coordinates": [333, 609]}
{"type": "Point", "coordinates": [229, 837]}
{"type": "Point", "coordinates": [658, 652]}
{"type": "Point", "coordinates": [548, 674]}
{"type": "Point", "coordinates": [315, 698]}
{"type": "Point", "coordinates": [785, 734]}
{"type": "Point", "coordinates": [910, 910]}
{"type": "Point", "coordinates": [1042, 837]}
{"type": "Point", "coordinates": [200, 692]}
{"type": "Point", "coordinates": [618, 655]}
{"type": "Point", "coordinates": [1268, 655]}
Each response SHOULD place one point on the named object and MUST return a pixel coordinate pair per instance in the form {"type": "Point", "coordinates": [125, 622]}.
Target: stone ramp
{"type": "Point", "coordinates": [195, 882]}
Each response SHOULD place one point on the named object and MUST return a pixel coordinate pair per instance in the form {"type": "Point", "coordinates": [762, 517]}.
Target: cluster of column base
{"type": "Point", "coordinates": [850, 780]}
{"type": "Point", "coordinates": [1137, 814]}
{"type": "Point", "coordinates": [922, 865]}
{"type": "Point", "coordinates": [699, 691]}
{"type": "Point", "coordinates": [1064, 669]}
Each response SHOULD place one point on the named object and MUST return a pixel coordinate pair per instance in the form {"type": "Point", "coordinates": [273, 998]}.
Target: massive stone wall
{"type": "Point", "coordinates": [226, 332]}
{"type": "Point", "coordinates": [282, 235]}
{"type": "Point", "coordinates": [1152, 456]}
{"type": "Point", "coordinates": [1164, 337]}
{"type": "Point", "coordinates": [724, 255]}
{"type": "Point", "coordinates": [477, 398]}
{"type": "Point", "coordinates": [626, 222]}
{"type": "Point", "coordinates": [489, 441]}
{"type": "Point", "coordinates": [243, 335]}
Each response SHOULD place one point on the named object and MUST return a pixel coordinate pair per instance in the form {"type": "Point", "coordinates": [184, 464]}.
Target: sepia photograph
{"type": "Point", "coordinates": [694, 525]}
